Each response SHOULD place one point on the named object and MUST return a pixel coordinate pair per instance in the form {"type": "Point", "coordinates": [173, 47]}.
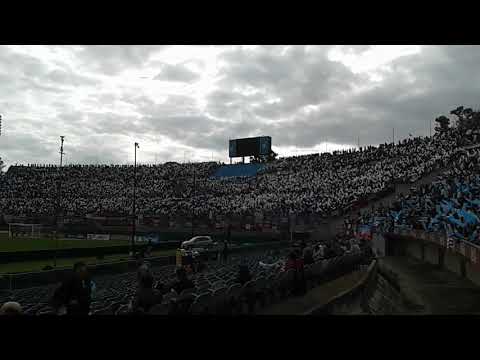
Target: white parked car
{"type": "Point", "coordinates": [199, 243]}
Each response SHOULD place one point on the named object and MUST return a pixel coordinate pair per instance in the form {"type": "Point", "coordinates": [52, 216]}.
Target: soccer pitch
{"type": "Point", "coordinates": [38, 265]}
{"type": "Point", "coordinates": [8, 245]}
{"type": "Point", "coordinates": [28, 244]}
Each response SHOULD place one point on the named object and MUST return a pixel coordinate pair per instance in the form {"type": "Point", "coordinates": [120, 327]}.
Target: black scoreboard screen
{"type": "Point", "coordinates": [256, 146]}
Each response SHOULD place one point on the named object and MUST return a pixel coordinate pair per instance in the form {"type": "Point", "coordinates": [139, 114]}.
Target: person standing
{"type": "Point", "coordinates": [296, 264]}
{"type": "Point", "coordinates": [225, 252]}
{"type": "Point", "coordinates": [308, 255]}
{"type": "Point", "coordinates": [243, 275]}
{"type": "Point", "coordinates": [75, 293]}
{"type": "Point", "coordinates": [146, 296]}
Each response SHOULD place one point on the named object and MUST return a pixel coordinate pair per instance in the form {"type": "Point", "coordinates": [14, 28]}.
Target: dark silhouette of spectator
{"type": "Point", "coordinates": [182, 282]}
{"type": "Point", "coordinates": [243, 275]}
{"type": "Point", "coordinates": [146, 296]}
{"type": "Point", "coordinates": [308, 255]}
{"type": "Point", "coordinates": [75, 292]}
{"type": "Point", "coordinates": [225, 252]}
{"type": "Point", "coordinates": [296, 264]}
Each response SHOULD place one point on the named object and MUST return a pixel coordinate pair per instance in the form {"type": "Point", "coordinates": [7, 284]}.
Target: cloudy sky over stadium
{"type": "Point", "coordinates": [187, 101]}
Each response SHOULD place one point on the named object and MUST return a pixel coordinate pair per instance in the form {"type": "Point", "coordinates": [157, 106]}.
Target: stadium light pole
{"type": "Point", "coordinates": [62, 138]}
{"type": "Point", "coordinates": [193, 202]}
{"type": "Point", "coordinates": [132, 250]}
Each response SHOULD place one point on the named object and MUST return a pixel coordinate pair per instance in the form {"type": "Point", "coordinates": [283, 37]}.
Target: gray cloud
{"type": "Point", "coordinates": [293, 93]}
{"type": "Point", "coordinates": [113, 59]}
{"type": "Point", "coordinates": [177, 73]}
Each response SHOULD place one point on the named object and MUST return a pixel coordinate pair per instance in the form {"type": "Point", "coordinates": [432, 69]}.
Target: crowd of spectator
{"type": "Point", "coordinates": [450, 204]}
{"type": "Point", "coordinates": [315, 184]}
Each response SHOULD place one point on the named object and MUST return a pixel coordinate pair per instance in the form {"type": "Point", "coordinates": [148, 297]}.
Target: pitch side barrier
{"type": "Point", "coordinates": [42, 278]}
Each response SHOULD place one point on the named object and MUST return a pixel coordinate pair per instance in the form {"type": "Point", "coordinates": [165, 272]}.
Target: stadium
{"type": "Point", "coordinates": [337, 232]}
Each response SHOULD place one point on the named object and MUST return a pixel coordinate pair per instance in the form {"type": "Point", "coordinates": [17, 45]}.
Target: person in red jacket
{"type": "Point", "coordinates": [295, 263]}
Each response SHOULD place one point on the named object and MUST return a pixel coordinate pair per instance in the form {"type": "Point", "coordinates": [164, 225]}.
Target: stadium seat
{"type": "Point", "coordinates": [183, 302]}
{"type": "Point", "coordinates": [218, 285]}
{"type": "Point", "coordinates": [286, 284]}
{"type": "Point", "coordinates": [159, 309]}
{"type": "Point", "coordinates": [260, 289]}
{"type": "Point", "coordinates": [46, 311]}
{"type": "Point", "coordinates": [220, 299]}
{"type": "Point", "coordinates": [248, 295]}
{"type": "Point", "coordinates": [105, 311]}
{"type": "Point", "coordinates": [123, 310]}
{"type": "Point", "coordinates": [202, 304]}
{"type": "Point", "coordinates": [233, 297]}
{"type": "Point", "coordinates": [309, 275]}
{"type": "Point", "coordinates": [168, 297]}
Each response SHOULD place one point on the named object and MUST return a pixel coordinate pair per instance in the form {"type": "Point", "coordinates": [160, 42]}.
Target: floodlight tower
{"type": "Point", "coordinates": [59, 201]}
{"type": "Point", "coordinates": [134, 200]}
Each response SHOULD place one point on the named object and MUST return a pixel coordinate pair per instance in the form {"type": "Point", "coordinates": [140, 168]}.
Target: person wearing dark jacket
{"type": "Point", "coordinates": [182, 283]}
{"type": "Point", "coordinates": [75, 292]}
{"type": "Point", "coordinates": [146, 295]}
{"type": "Point", "coordinates": [244, 275]}
{"type": "Point", "coordinates": [225, 252]}
{"type": "Point", "coordinates": [308, 256]}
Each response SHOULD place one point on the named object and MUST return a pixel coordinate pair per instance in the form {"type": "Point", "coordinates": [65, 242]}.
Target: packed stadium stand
{"type": "Point", "coordinates": [237, 170]}
{"type": "Point", "coordinates": [306, 185]}
{"type": "Point", "coordinates": [449, 205]}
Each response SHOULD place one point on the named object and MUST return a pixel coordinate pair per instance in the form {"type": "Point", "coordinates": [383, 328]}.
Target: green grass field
{"type": "Point", "coordinates": [38, 265]}
{"type": "Point", "coordinates": [26, 244]}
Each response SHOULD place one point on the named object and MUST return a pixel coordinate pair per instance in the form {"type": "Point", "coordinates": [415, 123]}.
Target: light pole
{"type": "Point", "coordinates": [62, 138]}
{"type": "Point", "coordinates": [193, 202]}
{"type": "Point", "coordinates": [132, 250]}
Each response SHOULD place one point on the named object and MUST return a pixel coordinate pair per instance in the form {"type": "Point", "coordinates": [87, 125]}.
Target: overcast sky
{"type": "Point", "coordinates": [187, 101]}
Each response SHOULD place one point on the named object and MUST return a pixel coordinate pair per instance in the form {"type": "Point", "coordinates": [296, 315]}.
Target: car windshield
{"type": "Point", "coordinates": [201, 238]}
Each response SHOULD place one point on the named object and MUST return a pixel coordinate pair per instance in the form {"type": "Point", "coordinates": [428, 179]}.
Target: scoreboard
{"type": "Point", "coordinates": [261, 145]}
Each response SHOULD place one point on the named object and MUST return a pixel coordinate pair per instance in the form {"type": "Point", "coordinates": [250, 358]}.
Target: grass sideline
{"type": "Point", "coordinates": [27, 244]}
{"type": "Point", "coordinates": [38, 265]}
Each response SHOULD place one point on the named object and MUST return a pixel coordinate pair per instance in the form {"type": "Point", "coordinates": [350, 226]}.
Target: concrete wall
{"type": "Point", "coordinates": [452, 262]}
{"type": "Point", "coordinates": [413, 249]}
{"type": "Point", "coordinates": [431, 254]}
{"type": "Point", "coordinates": [472, 273]}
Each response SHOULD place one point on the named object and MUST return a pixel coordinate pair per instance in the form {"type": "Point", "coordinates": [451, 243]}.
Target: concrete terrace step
{"type": "Point", "coordinates": [439, 291]}
{"type": "Point", "coordinates": [315, 297]}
